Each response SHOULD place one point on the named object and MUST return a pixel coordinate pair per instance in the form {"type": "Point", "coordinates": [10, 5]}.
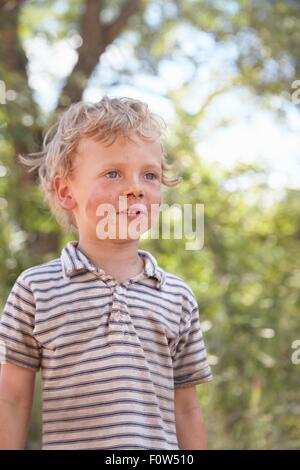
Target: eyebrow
{"type": "Point", "coordinates": [124, 164]}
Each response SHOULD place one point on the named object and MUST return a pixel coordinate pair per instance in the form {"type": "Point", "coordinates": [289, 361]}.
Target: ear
{"type": "Point", "coordinates": [63, 193]}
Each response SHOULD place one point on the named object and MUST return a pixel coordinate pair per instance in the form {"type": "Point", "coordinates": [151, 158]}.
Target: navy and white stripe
{"type": "Point", "coordinates": [110, 353]}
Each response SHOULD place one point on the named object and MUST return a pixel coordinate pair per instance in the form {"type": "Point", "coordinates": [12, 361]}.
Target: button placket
{"type": "Point", "coordinates": [117, 305]}
{"type": "Point", "coordinates": [118, 324]}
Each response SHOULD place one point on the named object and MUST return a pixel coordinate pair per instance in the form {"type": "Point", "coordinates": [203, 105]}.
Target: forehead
{"type": "Point", "coordinates": [121, 150]}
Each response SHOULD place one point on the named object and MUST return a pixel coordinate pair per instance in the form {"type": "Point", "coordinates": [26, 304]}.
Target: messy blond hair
{"type": "Point", "coordinates": [104, 121]}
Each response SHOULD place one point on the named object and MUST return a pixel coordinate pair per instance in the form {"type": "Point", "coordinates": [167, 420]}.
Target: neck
{"type": "Point", "coordinates": [119, 260]}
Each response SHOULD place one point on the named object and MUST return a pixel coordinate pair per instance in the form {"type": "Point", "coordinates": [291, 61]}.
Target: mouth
{"type": "Point", "coordinates": [133, 212]}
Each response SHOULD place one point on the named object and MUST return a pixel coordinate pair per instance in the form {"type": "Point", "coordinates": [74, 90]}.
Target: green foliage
{"type": "Point", "coordinates": [246, 277]}
{"type": "Point", "coordinates": [246, 280]}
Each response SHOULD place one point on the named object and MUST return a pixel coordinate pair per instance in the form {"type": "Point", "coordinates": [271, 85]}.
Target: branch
{"type": "Point", "coordinates": [95, 38]}
{"type": "Point", "coordinates": [88, 54]}
{"type": "Point", "coordinates": [23, 140]}
{"type": "Point", "coordinates": [13, 66]}
{"type": "Point", "coordinates": [112, 30]}
{"type": "Point", "coordinates": [10, 5]}
{"type": "Point", "coordinates": [11, 53]}
{"type": "Point", "coordinates": [91, 33]}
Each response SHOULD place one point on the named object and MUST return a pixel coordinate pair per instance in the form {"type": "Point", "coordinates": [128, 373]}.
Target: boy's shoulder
{"type": "Point", "coordinates": [176, 284]}
{"type": "Point", "coordinates": [47, 268]}
{"type": "Point", "coordinates": [175, 280]}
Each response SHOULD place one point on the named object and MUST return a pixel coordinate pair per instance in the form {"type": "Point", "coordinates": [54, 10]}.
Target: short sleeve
{"type": "Point", "coordinates": [17, 343]}
{"type": "Point", "coordinates": [190, 362]}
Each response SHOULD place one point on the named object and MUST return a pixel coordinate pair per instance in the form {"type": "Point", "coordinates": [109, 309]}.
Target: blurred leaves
{"type": "Point", "coordinates": [247, 276]}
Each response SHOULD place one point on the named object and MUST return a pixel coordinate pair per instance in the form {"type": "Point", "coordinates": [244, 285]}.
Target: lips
{"type": "Point", "coordinates": [134, 210]}
{"type": "Point", "coordinates": [132, 213]}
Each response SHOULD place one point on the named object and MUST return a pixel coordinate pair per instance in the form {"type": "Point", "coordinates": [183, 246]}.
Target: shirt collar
{"type": "Point", "coordinates": [74, 261]}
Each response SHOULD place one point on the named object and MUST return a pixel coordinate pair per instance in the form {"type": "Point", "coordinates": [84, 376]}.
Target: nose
{"type": "Point", "coordinates": [134, 190]}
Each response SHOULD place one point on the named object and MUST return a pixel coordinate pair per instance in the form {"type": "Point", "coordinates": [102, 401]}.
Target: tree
{"type": "Point", "coordinates": [246, 278]}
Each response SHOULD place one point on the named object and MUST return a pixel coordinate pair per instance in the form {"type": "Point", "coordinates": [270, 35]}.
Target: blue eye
{"type": "Point", "coordinates": [152, 174]}
{"type": "Point", "coordinates": [112, 172]}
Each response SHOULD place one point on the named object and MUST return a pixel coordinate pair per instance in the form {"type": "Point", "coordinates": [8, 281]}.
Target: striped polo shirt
{"type": "Point", "coordinates": [110, 353]}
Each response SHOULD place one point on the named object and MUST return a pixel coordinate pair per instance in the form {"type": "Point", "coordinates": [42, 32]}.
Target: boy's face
{"type": "Point", "coordinates": [102, 174]}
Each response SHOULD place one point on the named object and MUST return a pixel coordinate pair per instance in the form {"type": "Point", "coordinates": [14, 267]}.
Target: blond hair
{"type": "Point", "coordinates": [104, 121]}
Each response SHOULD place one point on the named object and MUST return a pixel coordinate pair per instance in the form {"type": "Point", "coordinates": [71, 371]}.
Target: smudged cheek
{"type": "Point", "coordinates": [95, 199]}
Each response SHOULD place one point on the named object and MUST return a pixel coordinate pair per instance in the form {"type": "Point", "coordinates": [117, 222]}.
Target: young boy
{"type": "Point", "coordinates": [117, 339]}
